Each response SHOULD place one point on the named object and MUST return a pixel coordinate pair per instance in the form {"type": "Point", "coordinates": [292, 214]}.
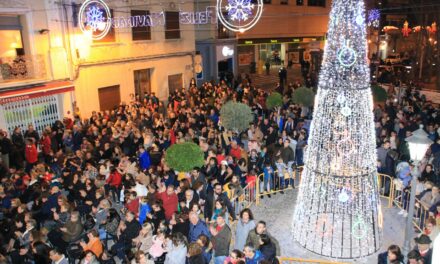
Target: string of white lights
{"type": "Point", "coordinates": [338, 208]}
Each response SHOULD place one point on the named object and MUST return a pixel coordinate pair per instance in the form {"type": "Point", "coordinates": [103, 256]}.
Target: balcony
{"type": "Point", "coordinates": [21, 70]}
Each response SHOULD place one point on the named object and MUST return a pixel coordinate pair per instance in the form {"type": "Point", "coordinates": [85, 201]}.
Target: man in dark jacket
{"type": "Point", "coordinates": [286, 152]}
{"type": "Point", "coordinates": [423, 247]}
{"type": "Point", "coordinates": [127, 231]}
{"type": "Point", "coordinates": [212, 197]}
{"type": "Point", "coordinates": [5, 148]}
{"type": "Point", "coordinates": [254, 237]}
{"type": "Point", "coordinates": [221, 239]}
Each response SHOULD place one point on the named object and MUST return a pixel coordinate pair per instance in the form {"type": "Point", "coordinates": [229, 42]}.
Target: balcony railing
{"type": "Point", "coordinates": [22, 68]}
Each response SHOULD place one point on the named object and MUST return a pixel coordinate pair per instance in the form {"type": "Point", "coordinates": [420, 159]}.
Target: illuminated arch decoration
{"type": "Point", "coordinates": [95, 17]}
{"type": "Point", "coordinates": [241, 15]}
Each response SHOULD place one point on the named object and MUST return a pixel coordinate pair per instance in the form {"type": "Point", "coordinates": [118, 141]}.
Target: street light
{"type": "Point", "coordinates": [418, 144]}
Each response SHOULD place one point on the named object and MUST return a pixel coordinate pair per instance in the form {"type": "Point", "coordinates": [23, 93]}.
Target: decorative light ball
{"type": "Point", "coordinates": [347, 56]}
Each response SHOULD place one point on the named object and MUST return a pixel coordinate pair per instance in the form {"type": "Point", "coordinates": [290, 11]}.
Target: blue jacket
{"type": "Point", "coordinates": [144, 160]}
{"type": "Point", "coordinates": [196, 230]}
{"type": "Point", "coordinates": [144, 209]}
{"type": "Point", "coordinates": [257, 258]}
{"type": "Point", "coordinates": [268, 173]}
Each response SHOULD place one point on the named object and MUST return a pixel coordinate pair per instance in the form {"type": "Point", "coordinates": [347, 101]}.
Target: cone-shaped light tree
{"type": "Point", "coordinates": [338, 212]}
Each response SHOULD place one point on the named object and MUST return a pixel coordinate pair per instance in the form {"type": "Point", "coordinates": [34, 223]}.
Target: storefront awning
{"type": "Point", "coordinates": [51, 88]}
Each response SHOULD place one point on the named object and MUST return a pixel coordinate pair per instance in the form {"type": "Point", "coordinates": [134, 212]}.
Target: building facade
{"type": "Point", "coordinates": [216, 46]}
{"type": "Point", "coordinates": [46, 57]}
{"type": "Point", "coordinates": [288, 30]}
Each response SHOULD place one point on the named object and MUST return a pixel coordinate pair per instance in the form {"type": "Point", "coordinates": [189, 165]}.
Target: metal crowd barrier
{"type": "Point", "coordinates": [386, 187]}
{"type": "Point", "coordinates": [401, 200]}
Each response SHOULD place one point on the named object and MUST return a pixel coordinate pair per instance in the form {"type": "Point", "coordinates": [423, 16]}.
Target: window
{"type": "Point", "coordinates": [317, 3]}
{"type": "Point", "coordinates": [284, 2]}
{"type": "Point", "coordinates": [174, 83]}
{"type": "Point", "coordinates": [299, 2]}
{"type": "Point", "coordinates": [141, 29]}
{"type": "Point", "coordinates": [172, 25]}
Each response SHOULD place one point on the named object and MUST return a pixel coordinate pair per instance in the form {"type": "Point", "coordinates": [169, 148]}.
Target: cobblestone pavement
{"type": "Point", "coordinates": [278, 210]}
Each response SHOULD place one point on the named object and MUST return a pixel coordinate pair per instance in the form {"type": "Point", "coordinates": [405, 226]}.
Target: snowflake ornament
{"type": "Point", "coordinates": [95, 18]}
{"type": "Point", "coordinates": [239, 10]}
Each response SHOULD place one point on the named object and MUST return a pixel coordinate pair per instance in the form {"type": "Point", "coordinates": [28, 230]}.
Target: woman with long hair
{"type": "Point", "coordinates": [245, 224]}
{"type": "Point", "coordinates": [176, 249]}
{"type": "Point", "coordinates": [195, 254]}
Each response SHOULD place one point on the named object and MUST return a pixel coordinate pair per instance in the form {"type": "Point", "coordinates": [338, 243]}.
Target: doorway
{"type": "Point", "coordinates": [175, 83]}
{"type": "Point", "coordinates": [142, 82]}
{"type": "Point", "coordinates": [109, 97]}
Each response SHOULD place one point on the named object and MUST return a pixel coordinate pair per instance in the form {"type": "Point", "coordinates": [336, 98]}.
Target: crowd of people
{"type": "Point", "coordinates": [405, 111]}
{"type": "Point", "coordinates": [97, 189]}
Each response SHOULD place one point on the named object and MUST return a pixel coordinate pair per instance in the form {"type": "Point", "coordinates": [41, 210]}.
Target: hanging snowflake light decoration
{"type": "Point", "coordinates": [239, 10]}
{"type": "Point", "coordinates": [374, 18]}
{"type": "Point", "coordinates": [239, 15]}
{"type": "Point", "coordinates": [95, 18]}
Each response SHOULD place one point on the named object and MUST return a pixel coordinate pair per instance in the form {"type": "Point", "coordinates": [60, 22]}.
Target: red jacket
{"type": "Point", "coordinates": [235, 152]}
{"type": "Point", "coordinates": [133, 206]}
{"type": "Point", "coordinates": [115, 179]}
{"type": "Point", "coordinates": [45, 145]}
{"type": "Point", "coordinates": [31, 153]}
{"type": "Point", "coordinates": [169, 203]}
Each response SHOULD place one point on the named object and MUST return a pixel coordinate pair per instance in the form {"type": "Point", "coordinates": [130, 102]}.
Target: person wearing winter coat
{"type": "Point", "coordinates": [31, 155]}
{"type": "Point", "coordinates": [169, 200]}
{"type": "Point", "coordinates": [176, 250]}
{"type": "Point", "coordinates": [221, 239]}
{"type": "Point", "coordinates": [267, 248]}
{"type": "Point", "coordinates": [195, 255]}
{"type": "Point", "coordinates": [254, 236]}
{"type": "Point", "coordinates": [197, 227]}
{"type": "Point", "coordinates": [252, 255]}
{"type": "Point", "coordinates": [245, 224]}
{"type": "Point", "coordinates": [144, 159]}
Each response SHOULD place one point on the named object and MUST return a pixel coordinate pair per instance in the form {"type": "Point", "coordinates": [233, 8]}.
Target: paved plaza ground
{"type": "Point", "coordinates": [278, 210]}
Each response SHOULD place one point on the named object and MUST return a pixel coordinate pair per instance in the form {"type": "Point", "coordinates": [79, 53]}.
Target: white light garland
{"type": "Point", "coordinates": [338, 207]}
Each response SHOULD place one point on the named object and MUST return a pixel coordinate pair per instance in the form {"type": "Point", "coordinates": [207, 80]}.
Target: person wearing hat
{"type": "Point", "coordinates": [423, 248]}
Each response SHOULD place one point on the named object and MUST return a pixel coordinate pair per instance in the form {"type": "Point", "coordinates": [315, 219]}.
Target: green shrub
{"type": "Point", "coordinates": [379, 94]}
{"type": "Point", "coordinates": [303, 96]}
{"type": "Point", "coordinates": [183, 157]}
{"type": "Point", "coordinates": [274, 100]}
{"type": "Point", "coordinates": [236, 116]}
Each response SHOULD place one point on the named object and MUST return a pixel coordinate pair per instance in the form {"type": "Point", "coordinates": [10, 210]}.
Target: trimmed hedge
{"type": "Point", "coordinates": [236, 116]}
{"type": "Point", "coordinates": [274, 100]}
{"type": "Point", "coordinates": [303, 96]}
{"type": "Point", "coordinates": [183, 157]}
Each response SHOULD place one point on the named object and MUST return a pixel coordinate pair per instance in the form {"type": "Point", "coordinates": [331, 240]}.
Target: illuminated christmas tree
{"type": "Point", "coordinates": [338, 212]}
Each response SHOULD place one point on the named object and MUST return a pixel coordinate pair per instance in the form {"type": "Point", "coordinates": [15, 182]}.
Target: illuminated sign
{"type": "Point", "coordinates": [199, 18]}
{"type": "Point", "coordinates": [239, 15]}
{"type": "Point", "coordinates": [226, 51]}
{"type": "Point", "coordinates": [95, 17]}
